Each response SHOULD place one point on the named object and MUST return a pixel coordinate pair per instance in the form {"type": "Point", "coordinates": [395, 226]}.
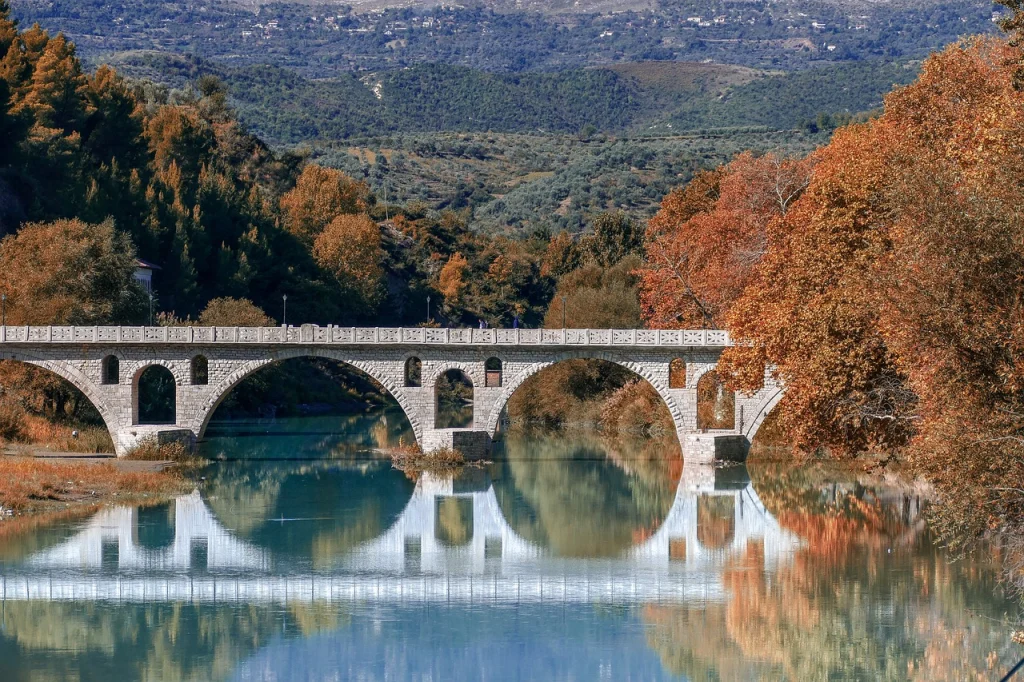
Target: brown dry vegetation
{"type": "Point", "coordinates": [34, 485]}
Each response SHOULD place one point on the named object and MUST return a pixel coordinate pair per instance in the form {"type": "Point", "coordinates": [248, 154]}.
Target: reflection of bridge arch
{"type": "Point", "coordinates": [110, 540]}
{"type": "Point", "coordinates": [408, 561]}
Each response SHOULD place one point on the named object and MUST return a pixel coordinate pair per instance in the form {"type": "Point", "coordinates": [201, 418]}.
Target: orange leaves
{"type": "Point", "coordinates": [319, 196]}
{"type": "Point", "coordinates": [350, 248]}
{"type": "Point", "coordinates": [705, 242]}
{"type": "Point", "coordinates": [451, 281]}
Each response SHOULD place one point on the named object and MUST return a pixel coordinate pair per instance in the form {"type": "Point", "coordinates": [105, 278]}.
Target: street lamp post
{"type": "Point", "coordinates": [428, 308]}
{"type": "Point", "coordinates": [563, 312]}
{"type": "Point", "coordinates": [3, 310]}
{"type": "Point", "coordinates": [150, 307]}
{"type": "Point", "coordinates": [284, 316]}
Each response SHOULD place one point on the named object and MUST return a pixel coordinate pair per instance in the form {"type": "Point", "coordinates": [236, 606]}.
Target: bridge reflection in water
{"type": "Point", "coordinates": [450, 544]}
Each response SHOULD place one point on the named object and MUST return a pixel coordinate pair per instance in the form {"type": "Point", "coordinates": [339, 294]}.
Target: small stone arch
{"type": "Point", "coordinates": [199, 370]}
{"type": "Point", "coordinates": [413, 372]}
{"type": "Point", "coordinates": [716, 404]}
{"type": "Point", "coordinates": [442, 420]}
{"type": "Point", "coordinates": [110, 370]}
{"type": "Point", "coordinates": [677, 373]}
{"type": "Point", "coordinates": [492, 372]}
{"type": "Point", "coordinates": [163, 379]}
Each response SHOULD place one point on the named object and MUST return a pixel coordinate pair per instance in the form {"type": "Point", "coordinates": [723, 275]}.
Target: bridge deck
{"type": "Point", "coordinates": [363, 336]}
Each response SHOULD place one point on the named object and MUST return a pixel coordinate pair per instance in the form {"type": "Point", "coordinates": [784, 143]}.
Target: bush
{"type": "Point", "coordinates": [12, 420]}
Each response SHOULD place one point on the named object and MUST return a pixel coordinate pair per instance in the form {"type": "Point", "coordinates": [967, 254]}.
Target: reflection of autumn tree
{"type": "Point", "coordinates": [168, 642]}
{"type": "Point", "coordinates": [868, 596]}
{"type": "Point", "coordinates": [454, 520]}
{"type": "Point", "coordinates": [571, 498]}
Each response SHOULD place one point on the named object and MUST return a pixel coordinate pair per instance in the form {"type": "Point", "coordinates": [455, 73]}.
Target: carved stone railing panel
{"type": "Point", "coordinates": [315, 334]}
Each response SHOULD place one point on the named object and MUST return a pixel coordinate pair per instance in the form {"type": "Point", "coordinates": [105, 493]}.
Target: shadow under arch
{"type": "Point", "coordinates": [365, 368]}
{"type": "Point", "coordinates": [76, 378]}
{"type": "Point", "coordinates": [640, 369]}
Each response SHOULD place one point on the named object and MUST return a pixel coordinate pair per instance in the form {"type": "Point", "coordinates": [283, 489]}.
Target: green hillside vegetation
{"type": "Point", "coordinates": [639, 98]}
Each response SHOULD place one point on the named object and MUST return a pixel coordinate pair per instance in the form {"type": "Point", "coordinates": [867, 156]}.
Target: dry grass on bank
{"type": "Point", "coordinates": [151, 451]}
{"type": "Point", "coordinates": [28, 484]}
{"type": "Point", "coordinates": [19, 426]}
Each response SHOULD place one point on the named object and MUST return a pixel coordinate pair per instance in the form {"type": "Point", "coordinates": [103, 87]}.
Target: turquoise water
{"type": "Point", "coordinates": [303, 555]}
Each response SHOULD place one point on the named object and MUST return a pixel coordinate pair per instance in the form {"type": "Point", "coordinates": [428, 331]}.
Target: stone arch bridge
{"type": "Point", "coordinates": [105, 363]}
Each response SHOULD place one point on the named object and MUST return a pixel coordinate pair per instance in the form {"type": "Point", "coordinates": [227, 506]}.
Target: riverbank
{"type": "Point", "coordinates": [35, 483]}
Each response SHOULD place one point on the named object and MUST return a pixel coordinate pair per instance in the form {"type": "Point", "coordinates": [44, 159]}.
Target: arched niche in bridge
{"type": "Point", "coordinates": [200, 371]}
{"type": "Point", "coordinates": [677, 373]}
{"type": "Point", "coordinates": [716, 520]}
{"type": "Point", "coordinates": [155, 396]}
{"type": "Point", "coordinates": [110, 371]}
{"type": "Point", "coordinates": [413, 372]}
{"type": "Point", "coordinates": [453, 393]}
{"type": "Point", "coordinates": [716, 405]}
{"type": "Point", "coordinates": [492, 373]}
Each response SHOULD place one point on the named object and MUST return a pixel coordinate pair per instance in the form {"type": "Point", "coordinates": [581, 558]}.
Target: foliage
{"type": "Point", "coordinates": [320, 195]}
{"type": "Point", "coordinates": [69, 272]}
{"type": "Point", "coordinates": [707, 239]}
{"type": "Point", "coordinates": [232, 312]}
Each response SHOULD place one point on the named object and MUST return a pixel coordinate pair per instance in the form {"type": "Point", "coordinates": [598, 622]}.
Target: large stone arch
{"type": "Point", "coordinates": [767, 404]}
{"type": "Point", "coordinates": [77, 378]}
{"type": "Point", "coordinates": [640, 368]}
{"type": "Point", "coordinates": [201, 416]}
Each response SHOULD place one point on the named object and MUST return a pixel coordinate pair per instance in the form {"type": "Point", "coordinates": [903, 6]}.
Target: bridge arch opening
{"type": "Point", "coordinates": [337, 407]}
{"type": "Point", "coordinates": [413, 372]}
{"type": "Point", "coordinates": [33, 390]}
{"type": "Point", "coordinates": [110, 371]}
{"type": "Point", "coordinates": [156, 394]}
{"type": "Point", "coordinates": [200, 371]}
{"type": "Point", "coordinates": [588, 390]}
{"type": "Point", "coordinates": [453, 397]}
{"type": "Point", "coordinates": [716, 405]}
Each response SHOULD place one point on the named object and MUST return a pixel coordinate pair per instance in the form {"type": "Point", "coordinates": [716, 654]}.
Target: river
{"type": "Point", "coordinates": [303, 555]}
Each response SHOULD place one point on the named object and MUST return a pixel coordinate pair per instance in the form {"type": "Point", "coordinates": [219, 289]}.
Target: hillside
{"type": "Point", "coordinates": [650, 98]}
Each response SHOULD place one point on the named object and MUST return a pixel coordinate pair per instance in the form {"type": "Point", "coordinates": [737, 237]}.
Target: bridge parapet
{"type": "Point", "coordinates": [361, 336]}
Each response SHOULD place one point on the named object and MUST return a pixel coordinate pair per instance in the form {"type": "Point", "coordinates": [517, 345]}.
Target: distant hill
{"type": "Point", "coordinates": [650, 98]}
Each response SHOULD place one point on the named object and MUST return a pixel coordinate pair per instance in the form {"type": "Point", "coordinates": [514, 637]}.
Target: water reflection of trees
{"type": "Point", "coordinates": [583, 498]}
{"type": "Point", "coordinates": [168, 642]}
{"type": "Point", "coordinates": [339, 437]}
{"type": "Point", "coordinates": [869, 596]}
{"type": "Point", "coordinates": [306, 512]}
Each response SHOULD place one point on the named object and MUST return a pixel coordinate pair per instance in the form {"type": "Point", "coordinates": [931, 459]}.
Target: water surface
{"type": "Point", "coordinates": [303, 555]}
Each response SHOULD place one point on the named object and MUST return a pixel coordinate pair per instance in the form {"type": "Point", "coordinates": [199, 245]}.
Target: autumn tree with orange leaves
{"type": "Point", "coordinates": [888, 299]}
{"type": "Point", "coordinates": [704, 243]}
